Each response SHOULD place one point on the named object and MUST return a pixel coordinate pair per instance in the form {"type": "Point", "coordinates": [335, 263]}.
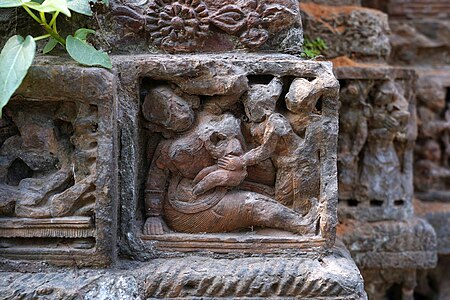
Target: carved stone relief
{"type": "Point", "coordinates": [193, 25]}
{"type": "Point", "coordinates": [49, 173]}
{"type": "Point", "coordinates": [237, 152]}
{"type": "Point", "coordinates": [432, 170]}
{"type": "Point", "coordinates": [376, 132]}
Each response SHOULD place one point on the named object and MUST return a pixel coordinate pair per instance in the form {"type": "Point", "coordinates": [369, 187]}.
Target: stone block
{"type": "Point", "coordinates": [334, 276]}
{"type": "Point", "coordinates": [351, 31]}
{"type": "Point", "coordinates": [409, 244]}
{"type": "Point", "coordinates": [432, 148]}
{"type": "Point", "coordinates": [223, 100]}
{"type": "Point", "coordinates": [376, 141]}
{"type": "Point", "coordinates": [205, 25]}
{"type": "Point", "coordinates": [438, 215]}
{"type": "Point", "coordinates": [57, 167]}
{"type": "Point", "coordinates": [421, 41]}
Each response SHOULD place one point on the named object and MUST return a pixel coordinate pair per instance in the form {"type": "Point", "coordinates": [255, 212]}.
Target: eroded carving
{"type": "Point", "coordinates": [432, 172]}
{"type": "Point", "coordinates": [237, 160]}
{"type": "Point", "coordinates": [186, 25]}
{"type": "Point", "coordinates": [375, 124]}
{"type": "Point", "coordinates": [47, 169]}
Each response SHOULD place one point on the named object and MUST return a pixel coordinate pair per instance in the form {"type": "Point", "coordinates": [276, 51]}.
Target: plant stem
{"type": "Point", "coordinates": [55, 15]}
{"type": "Point", "coordinates": [32, 14]}
{"type": "Point", "coordinates": [43, 18]}
{"type": "Point", "coordinates": [54, 34]}
{"type": "Point", "coordinates": [42, 37]}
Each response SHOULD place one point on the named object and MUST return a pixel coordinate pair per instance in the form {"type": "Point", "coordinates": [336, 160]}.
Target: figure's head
{"type": "Point", "coordinates": [221, 135]}
{"type": "Point", "coordinates": [258, 104]}
{"type": "Point", "coordinates": [385, 93]}
{"type": "Point", "coordinates": [432, 151]}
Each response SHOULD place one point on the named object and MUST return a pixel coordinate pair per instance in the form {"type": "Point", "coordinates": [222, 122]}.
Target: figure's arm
{"type": "Point", "coordinates": [360, 137]}
{"type": "Point", "coordinates": [263, 151]}
{"type": "Point", "coordinates": [252, 157]}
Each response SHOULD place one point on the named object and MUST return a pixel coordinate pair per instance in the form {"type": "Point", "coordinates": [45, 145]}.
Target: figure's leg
{"type": "Point", "coordinates": [266, 212]}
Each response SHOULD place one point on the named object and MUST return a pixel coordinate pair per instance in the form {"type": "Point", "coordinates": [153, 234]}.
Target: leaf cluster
{"type": "Point", "coordinates": [18, 53]}
{"type": "Point", "coordinates": [313, 48]}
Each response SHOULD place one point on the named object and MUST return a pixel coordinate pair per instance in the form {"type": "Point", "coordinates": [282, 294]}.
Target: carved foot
{"type": "Point", "coordinates": [155, 226]}
{"type": "Point", "coordinates": [309, 221]}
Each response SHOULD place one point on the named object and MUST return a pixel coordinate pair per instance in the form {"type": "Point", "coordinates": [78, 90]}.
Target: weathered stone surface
{"type": "Point", "coordinates": [56, 166]}
{"type": "Point", "coordinates": [434, 283]}
{"type": "Point", "coordinates": [213, 26]}
{"type": "Point", "coordinates": [438, 215]}
{"type": "Point", "coordinates": [338, 2]}
{"type": "Point", "coordinates": [245, 92]}
{"type": "Point", "coordinates": [333, 276]}
{"type": "Point", "coordinates": [420, 41]}
{"type": "Point", "coordinates": [411, 9]}
{"type": "Point", "coordinates": [348, 30]}
{"type": "Point", "coordinates": [408, 244]}
{"type": "Point", "coordinates": [390, 283]}
{"type": "Point", "coordinates": [377, 134]}
{"type": "Point", "coordinates": [432, 147]}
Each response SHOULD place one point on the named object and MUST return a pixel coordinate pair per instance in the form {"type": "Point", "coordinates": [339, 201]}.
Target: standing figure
{"type": "Point", "coordinates": [353, 135]}
{"type": "Point", "coordinates": [381, 177]}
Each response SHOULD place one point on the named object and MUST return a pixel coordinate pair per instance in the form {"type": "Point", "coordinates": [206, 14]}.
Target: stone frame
{"type": "Point", "coordinates": [406, 78]}
{"type": "Point", "coordinates": [93, 86]}
{"type": "Point", "coordinates": [131, 71]}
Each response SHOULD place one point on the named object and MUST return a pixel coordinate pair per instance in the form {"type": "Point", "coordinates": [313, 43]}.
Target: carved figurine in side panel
{"type": "Point", "coordinates": [204, 163]}
{"type": "Point", "coordinates": [353, 134]}
{"type": "Point", "coordinates": [381, 175]}
{"type": "Point", "coordinates": [432, 172]}
{"type": "Point", "coordinates": [48, 168]}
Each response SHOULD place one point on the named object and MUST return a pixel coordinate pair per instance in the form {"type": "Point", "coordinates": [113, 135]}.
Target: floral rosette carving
{"type": "Point", "coordinates": [183, 25]}
{"type": "Point", "coordinates": [179, 25]}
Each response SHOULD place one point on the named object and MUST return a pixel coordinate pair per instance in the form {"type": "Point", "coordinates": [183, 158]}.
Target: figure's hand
{"type": "Point", "coordinates": [391, 123]}
{"type": "Point", "coordinates": [203, 173]}
{"type": "Point", "coordinates": [231, 162]}
{"type": "Point", "coordinates": [219, 178]}
{"type": "Point", "coordinates": [154, 226]}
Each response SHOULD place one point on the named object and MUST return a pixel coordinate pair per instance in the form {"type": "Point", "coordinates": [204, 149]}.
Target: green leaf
{"type": "Point", "coordinates": [80, 6]}
{"type": "Point", "coordinates": [85, 54]}
{"type": "Point", "coordinates": [10, 3]}
{"type": "Point", "coordinates": [51, 44]}
{"type": "Point", "coordinates": [15, 60]}
{"type": "Point", "coordinates": [57, 5]}
{"type": "Point", "coordinates": [49, 6]}
{"type": "Point", "coordinates": [82, 33]}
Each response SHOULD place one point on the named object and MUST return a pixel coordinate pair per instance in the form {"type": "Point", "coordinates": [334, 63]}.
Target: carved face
{"type": "Point", "coordinates": [221, 135]}
{"type": "Point", "coordinates": [432, 151]}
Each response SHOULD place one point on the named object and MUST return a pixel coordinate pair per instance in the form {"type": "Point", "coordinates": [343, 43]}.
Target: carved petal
{"type": "Point", "coordinates": [229, 18]}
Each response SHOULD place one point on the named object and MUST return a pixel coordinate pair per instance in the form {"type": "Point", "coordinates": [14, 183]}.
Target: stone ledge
{"type": "Point", "coordinates": [438, 214]}
{"type": "Point", "coordinates": [391, 244]}
{"type": "Point", "coordinates": [334, 276]}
